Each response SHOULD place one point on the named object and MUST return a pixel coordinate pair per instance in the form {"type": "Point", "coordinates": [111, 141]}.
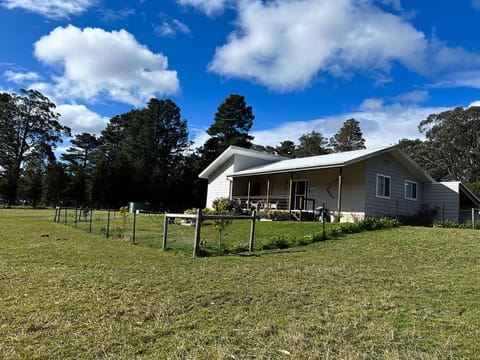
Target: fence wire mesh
{"type": "Point", "coordinates": [470, 218]}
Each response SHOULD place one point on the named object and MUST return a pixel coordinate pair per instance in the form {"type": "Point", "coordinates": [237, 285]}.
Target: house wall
{"type": "Point", "coordinates": [219, 184]}
{"type": "Point", "coordinates": [322, 186]}
{"type": "Point", "coordinates": [445, 197]}
{"type": "Point", "coordinates": [385, 164]}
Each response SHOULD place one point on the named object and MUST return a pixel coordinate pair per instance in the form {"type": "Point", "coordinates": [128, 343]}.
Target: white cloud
{"type": "Point", "coordinates": [381, 123]}
{"type": "Point", "coordinates": [284, 44]}
{"type": "Point", "coordinates": [112, 15]}
{"type": "Point", "coordinates": [416, 96]}
{"type": "Point", "coordinates": [287, 44]}
{"type": "Point", "coordinates": [474, 104]}
{"type": "Point", "coordinates": [94, 62]}
{"type": "Point", "coordinates": [209, 7]}
{"type": "Point", "coordinates": [470, 78]}
{"type": "Point", "coordinates": [171, 27]}
{"type": "Point", "coordinates": [20, 78]}
{"type": "Point", "coordinates": [81, 119]}
{"type": "Point", "coordinates": [52, 9]}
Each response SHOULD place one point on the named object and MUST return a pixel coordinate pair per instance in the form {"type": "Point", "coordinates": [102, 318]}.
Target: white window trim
{"type": "Point", "coordinates": [390, 187]}
{"type": "Point", "coordinates": [416, 192]}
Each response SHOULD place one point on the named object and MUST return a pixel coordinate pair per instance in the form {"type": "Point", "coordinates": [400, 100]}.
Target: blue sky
{"type": "Point", "coordinates": [302, 65]}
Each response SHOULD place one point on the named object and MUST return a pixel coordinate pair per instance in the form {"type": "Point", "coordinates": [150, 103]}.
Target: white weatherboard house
{"type": "Point", "coordinates": [372, 182]}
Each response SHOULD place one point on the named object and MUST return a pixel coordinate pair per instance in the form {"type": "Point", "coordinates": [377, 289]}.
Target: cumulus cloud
{"type": "Point", "coordinates": [285, 44]}
{"type": "Point", "coordinates": [94, 62]}
{"type": "Point", "coordinates": [52, 9]}
{"type": "Point", "coordinates": [21, 77]}
{"type": "Point", "coordinates": [81, 119]}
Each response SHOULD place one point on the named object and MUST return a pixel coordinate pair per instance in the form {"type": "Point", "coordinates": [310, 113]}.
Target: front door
{"type": "Point", "coordinates": [300, 192]}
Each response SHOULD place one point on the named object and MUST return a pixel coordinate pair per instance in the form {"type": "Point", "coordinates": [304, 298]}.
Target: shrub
{"type": "Point", "coordinates": [451, 224]}
{"type": "Point", "coordinates": [280, 242]}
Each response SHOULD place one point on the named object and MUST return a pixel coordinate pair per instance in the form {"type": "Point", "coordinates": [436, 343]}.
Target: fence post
{"type": "Point", "coordinates": [76, 215]}
{"type": "Point", "coordinates": [252, 231]}
{"type": "Point", "coordinates": [473, 218]}
{"type": "Point", "coordinates": [65, 215]}
{"type": "Point", "coordinates": [90, 227]}
{"type": "Point", "coordinates": [165, 232]}
{"type": "Point", "coordinates": [198, 225]}
{"type": "Point", "coordinates": [134, 226]}
{"type": "Point", "coordinates": [324, 235]}
{"type": "Point", "coordinates": [108, 223]}
{"type": "Point", "coordinates": [443, 215]}
{"type": "Point", "coordinates": [55, 216]}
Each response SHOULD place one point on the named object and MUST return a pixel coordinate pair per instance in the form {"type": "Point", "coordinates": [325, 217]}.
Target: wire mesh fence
{"type": "Point", "coordinates": [212, 235]}
{"type": "Point", "coordinates": [470, 218]}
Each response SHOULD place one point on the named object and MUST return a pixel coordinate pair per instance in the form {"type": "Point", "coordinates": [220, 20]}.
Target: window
{"type": "Point", "coordinates": [383, 186]}
{"type": "Point", "coordinates": [410, 190]}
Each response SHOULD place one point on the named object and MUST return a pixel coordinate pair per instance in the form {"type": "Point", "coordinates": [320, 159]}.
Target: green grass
{"type": "Point", "coordinates": [235, 237]}
{"type": "Point", "coordinates": [397, 294]}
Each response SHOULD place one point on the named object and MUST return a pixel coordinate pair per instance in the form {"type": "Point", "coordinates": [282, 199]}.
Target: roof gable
{"type": "Point", "coordinates": [236, 150]}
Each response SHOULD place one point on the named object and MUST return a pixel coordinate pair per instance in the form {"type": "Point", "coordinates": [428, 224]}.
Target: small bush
{"type": "Point", "coordinates": [451, 224]}
{"type": "Point", "coordinates": [280, 242]}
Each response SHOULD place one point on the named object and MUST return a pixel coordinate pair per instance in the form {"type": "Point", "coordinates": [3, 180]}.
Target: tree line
{"type": "Point", "coordinates": [145, 154]}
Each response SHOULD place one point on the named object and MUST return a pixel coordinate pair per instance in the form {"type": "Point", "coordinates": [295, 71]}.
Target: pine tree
{"type": "Point", "coordinates": [348, 138]}
{"type": "Point", "coordinates": [231, 125]}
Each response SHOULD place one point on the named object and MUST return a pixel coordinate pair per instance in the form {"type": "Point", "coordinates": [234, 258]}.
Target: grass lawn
{"type": "Point", "coordinates": [398, 294]}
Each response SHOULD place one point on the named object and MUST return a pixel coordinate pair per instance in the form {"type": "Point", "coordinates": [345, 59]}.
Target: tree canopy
{"type": "Point", "coordinates": [453, 142]}
{"type": "Point", "coordinates": [349, 137]}
{"type": "Point", "coordinates": [312, 144]}
{"type": "Point", "coordinates": [28, 123]}
{"type": "Point", "coordinates": [232, 122]}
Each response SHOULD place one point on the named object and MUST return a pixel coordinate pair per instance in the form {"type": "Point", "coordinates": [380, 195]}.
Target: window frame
{"type": "Point", "coordinates": [389, 186]}
{"type": "Point", "coordinates": [416, 190]}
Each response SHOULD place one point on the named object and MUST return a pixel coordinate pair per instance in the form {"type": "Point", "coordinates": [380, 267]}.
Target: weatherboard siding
{"type": "Point", "coordinates": [445, 198]}
{"type": "Point", "coordinates": [386, 165]}
{"type": "Point", "coordinates": [219, 184]}
{"type": "Point", "coordinates": [323, 187]}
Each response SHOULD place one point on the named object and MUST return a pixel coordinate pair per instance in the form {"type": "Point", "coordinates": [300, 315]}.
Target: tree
{"type": "Point", "coordinates": [453, 143]}
{"type": "Point", "coordinates": [286, 148]}
{"type": "Point", "coordinates": [312, 144]}
{"type": "Point", "coordinates": [142, 155]}
{"type": "Point", "coordinates": [348, 138]}
{"type": "Point", "coordinates": [233, 120]}
{"type": "Point", "coordinates": [419, 151]}
{"type": "Point", "coordinates": [55, 182]}
{"type": "Point", "coordinates": [80, 162]}
{"type": "Point", "coordinates": [26, 122]}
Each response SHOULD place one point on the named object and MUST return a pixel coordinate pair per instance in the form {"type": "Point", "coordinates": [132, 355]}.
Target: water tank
{"type": "Point", "coordinates": [135, 206]}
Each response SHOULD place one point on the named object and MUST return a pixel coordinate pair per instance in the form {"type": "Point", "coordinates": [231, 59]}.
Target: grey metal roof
{"type": "Point", "coordinates": [330, 160]}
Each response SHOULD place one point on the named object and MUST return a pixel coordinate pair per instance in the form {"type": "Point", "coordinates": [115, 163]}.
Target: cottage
{"type": "Point", "coordinates": [371, 182]}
